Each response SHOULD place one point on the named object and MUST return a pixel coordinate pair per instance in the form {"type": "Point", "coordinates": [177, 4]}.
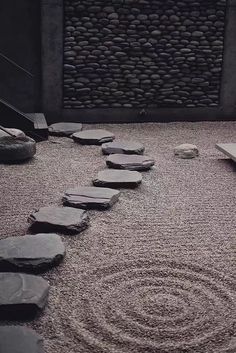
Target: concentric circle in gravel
{"type": "Point", "coordinates": [144, 306]}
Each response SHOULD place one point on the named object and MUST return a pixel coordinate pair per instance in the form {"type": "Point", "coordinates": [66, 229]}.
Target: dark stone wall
{"type": "Point", "coordinates": [143, 53]}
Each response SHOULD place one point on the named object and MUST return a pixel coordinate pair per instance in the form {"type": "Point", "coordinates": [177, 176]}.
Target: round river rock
{"type": "Point", "coordinates": [93, 137]}
{"type": "Point", "coordinates": [118, 178]}
{"type": "Point", "coordinates": [126, 147]}
{"type": "Point", "coordinates": [16, 149]}
{"type": "Point", "coordinates": [64, 128]}
{"type": "Point", "coordinates": [90, 197]}
{"type": "Point", "coordinates": [129, 162]}
{"type": "Point", "coordinates": [186, 151]}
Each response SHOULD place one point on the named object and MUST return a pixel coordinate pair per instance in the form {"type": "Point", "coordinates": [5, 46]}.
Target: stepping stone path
{"type": "Point", "coordinates": [16, 149]}
{"type": "Point", "coordinates": [90, 197]}
{"type": "Point", "coordinates": [118, 147]}
{"type": "Point", "coordinates": [19, 339]}
{"type": "Point", "coordinates": [129, 162]}
{"type": "Point", "coordinates": [64, 129]}
{"type": "Point", "coordinates": [21, 295]}
{"type": "Point", "coordinates": [186, 151]}
{"type": "Point", "coordinates": [118, 178]}
{"type": "Point", "coordinates": [93, 137]}
{"type": "Point", "coordinates": [31, 252]}
{"type": "Point", "coordinates": [59, 219]}
{"type": "Point", "coordinates": [229, 149]}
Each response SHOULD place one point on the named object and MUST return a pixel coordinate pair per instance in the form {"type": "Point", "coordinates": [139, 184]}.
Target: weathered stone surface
{"type": "Point", "coordinates": [186, 151]}
{"type": "Point", "coordinates": [64, 128]}
{"type": "Point", "coordinates": [93, 137]}
{"type": "Point", "coordinates": [129, 162]}
{"type": "Point", "coordinates": [118, 178]}
{"type": "Point", "coordinates": [126, 147]}
{"type": "Point", "coordinates": [229, 149]}
{"type": "Point", "coordinates": [16, 149]}
{"type": "Point", "coordinates": [89, 197]}
{"type": "Point", "coordinates": [16, 132]}
{"type": "Point", "coordinates": [19, 339]}
{"type": "Point", "coordinates": [62, 219]}
{"type": "Point", "coordinates": [31, 252]}
{"type": "Point", "coordinates": [21, 295]}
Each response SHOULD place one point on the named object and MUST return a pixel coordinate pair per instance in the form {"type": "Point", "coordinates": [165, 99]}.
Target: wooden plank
{"type": "Point", "coordinates": [229, 149]}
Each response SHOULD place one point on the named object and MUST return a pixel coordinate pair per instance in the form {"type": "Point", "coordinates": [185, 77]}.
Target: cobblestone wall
{"type": "Point", "coordinates": [143, 53]}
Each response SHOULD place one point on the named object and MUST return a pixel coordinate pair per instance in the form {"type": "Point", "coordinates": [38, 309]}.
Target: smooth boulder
{"type": "Point", "coordinates": [93, 137]}
{"type": "Point", "coordinates": [16, 149]}
{"type": "Point", "coordinates": [186, 151]}
{"type": "Point", "coordinates": [16, 132]}
{"type": "Point", "coordinates": [21, 295]}
{"type": "Point", "coordinates": [118, 178]}
{"type": "Point", "coordinates": [126, 147]}
{"type": "Point", "coordinates": [64, 128]}
{"type": "Point", "coordinates": [129, 162]}
{"type": "Point", "coordinates": [32, 253]}
{"type": "Point", "coordinates": [90, 197]}
{"type": "Point", "coordinates": [19, 339]}
{"type": "Point", "coordinates": [65, 220]}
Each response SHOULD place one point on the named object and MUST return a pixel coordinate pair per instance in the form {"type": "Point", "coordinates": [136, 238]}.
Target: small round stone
{"type": "Point", "coordinates": [93, 137]}
{"type": "Point", "coordinates": [126, 147]}
{"type": "Point", "coordinates": [118, 178]}
{"type": "Point", "coordinates": [16, 149]}
{"type": "Point", "coordinates": [64, 128]}
{"type": "Point", "coordinates": [129, 162]}
{"type": "Point", "coordinates": [186, 151]}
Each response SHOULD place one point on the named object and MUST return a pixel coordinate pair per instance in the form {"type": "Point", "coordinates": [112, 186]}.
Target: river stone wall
{"type": "Point", "coordinates": [143, 53]}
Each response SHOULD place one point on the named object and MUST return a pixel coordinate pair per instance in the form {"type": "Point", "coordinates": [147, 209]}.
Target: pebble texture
{"type": "Point", "coordinates": [19, 339]}
{"type": "Point", "coordinates": [64, 128]}
{"type": "Point", "coordinates": [129, 162]}
{"type": "Point", "coordinates": [31, 252]}
{"type": "Point", "coordinates": [186, 151]}
{"type": "Point", "coordinates": [118, 178]}
{"type": "Point", "coordinates": [125, 147]}
{"type": "Point", "coordinates": [140, 54]}
{"type": "Point", "coordinates": [89, 197]}
{"type": "Point", "coordinates": [61, 219]}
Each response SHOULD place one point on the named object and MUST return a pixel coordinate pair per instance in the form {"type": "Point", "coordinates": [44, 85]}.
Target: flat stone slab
{"type": "Point", "coordinates": [89, 197]}
{"type": "Point", "coordinates": [64, 128]}
{"type": "Point", "coordinates": [126, 147]}
{"type": "Point", "coordinates": [65, 220]}
{"type": "Point", "coordinates": [19, 339]}
{"type": "Point", "coordinates": [21, 295]}
{"type": "Point", "coordinates": [16, 149]}
{"type": "Point", "coordinates": [129, 162]}
{"type": "Point", "coordinates": [186, 151]}
{"type": "Point", "coordinates": [118, 178]}
{"type": "Point", "coordinates": [229, 149]}
{"type": "Point", "coordinates": [93, 137]}
{"type": "Point", "coordinates": [32, 253]}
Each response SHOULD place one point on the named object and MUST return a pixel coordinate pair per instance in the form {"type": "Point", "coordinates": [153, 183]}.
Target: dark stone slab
{"type": "Point", "coordinates": [93, 137]}
{"type": "Point", "coordinates": [129, 162]}
{"type": "Point", "coordinates": [229, 149]}
{"type": "Point", "coordinates": [32, 253]}
{"type": "Point", "coordinates": [16, 149]}
{"type": "Point", "coordinates": [22, 296]}
{"type": "Point", "coordinates": [19, 339]}
{"type": "Point", "coordinates": [126, 147]}
{"type": "Point", "coordinates": [59, 219]}
{"type": "Point", "coordinates": [118, 178]}
{"type": "Point", "coordinates": [64, 128]}
{"type": "Point", "coordinates": [90, 197]}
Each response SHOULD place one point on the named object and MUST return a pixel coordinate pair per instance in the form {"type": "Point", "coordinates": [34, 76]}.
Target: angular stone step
{"type": "Point", "coordinates": [93, 137]}
{"type": "Point", "coordinates": [19, 339]}
{"type": "Point", "coordinates": [126, 147]}
{"type": "Point", "coordinates": [31, 253]}
{"type": "Point", "coordinates": [22, 296]}
{"type": "Point", "coordinates": [129, 162]}
{"type": "Point", "coordinates": [229, 149]}
{"type": "Point", "coordinates": [65, 220]}
{"type": "Point", "coordinates": [64, 128]}
{"type": "Point", "coordinates": [90, 197]}
{"type": "Point", "coordinates": [118, 178]}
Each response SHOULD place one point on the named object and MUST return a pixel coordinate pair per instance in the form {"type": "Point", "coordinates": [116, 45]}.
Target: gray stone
{"type": "Point", "coordinates": [89, 197]}
{"type": "Point", "coordinates": [126, 147]}
{"type": "Point", "coordinates": [32, 253]}
{"type": "Point", "coordinates": [21, 295]}
{"type": "Point", "coordinates": [19, 339]}
{"type": "Point", "coordinates": [118, 178]}
{"type": "Point", "coordinates": [229, 149]}
{"type": "Point", "coordinates": [93, 137]}
{"type": "Point", "coordinates": [59, 219]}
{"type": "Point", "coordinates": [16, 132]}
{"type": "Point", "coordinates": [64, 128]}
{"type": "Point", "coordinates": [129, 162]}
{"type": "Point", "coordinates": [17, 149]}
{"type": "Point", "coordinates": [186, 151]}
